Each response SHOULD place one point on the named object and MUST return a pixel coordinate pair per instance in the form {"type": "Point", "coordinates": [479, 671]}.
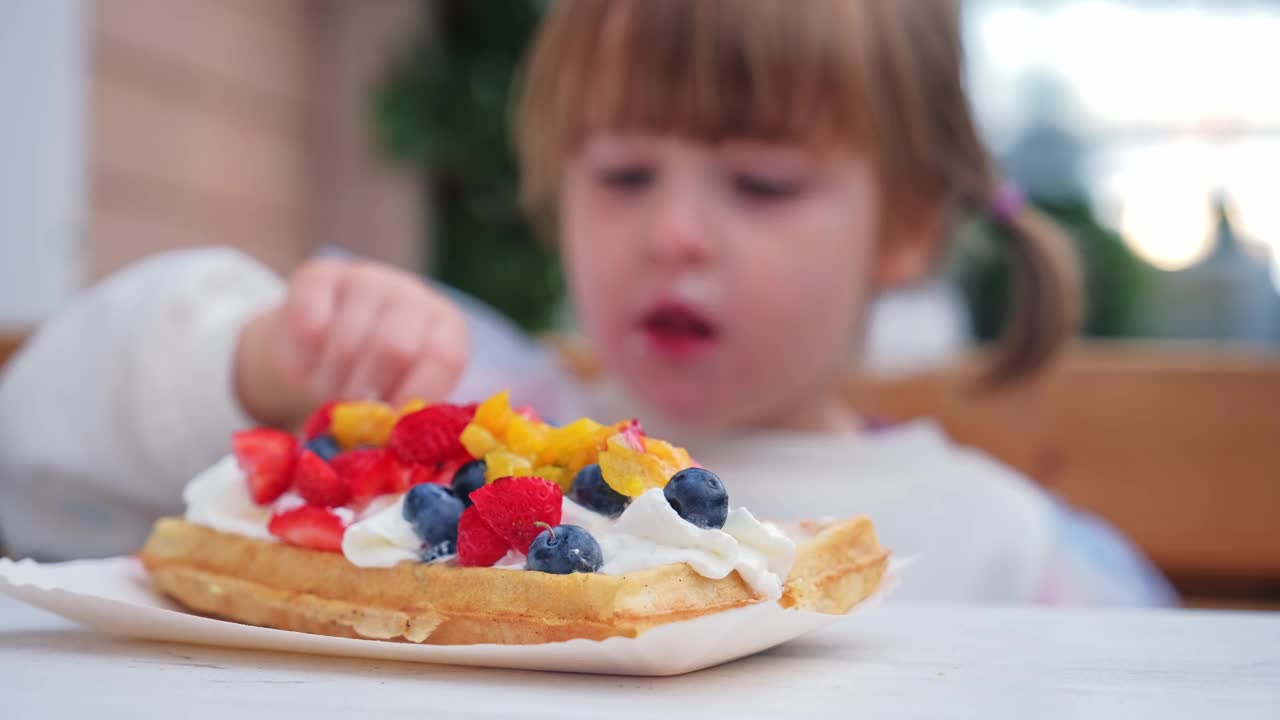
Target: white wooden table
{"type": "Point", "coordinates": [892, 663]}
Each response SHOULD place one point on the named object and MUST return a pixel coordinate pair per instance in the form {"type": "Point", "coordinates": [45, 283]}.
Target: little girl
{"type": "Point", "coordinates": [731, 182]}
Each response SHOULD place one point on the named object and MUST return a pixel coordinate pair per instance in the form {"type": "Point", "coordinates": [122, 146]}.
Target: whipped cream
{"type": "Point", "coordinates": [382, 539]}
{"type": "Point", "coordinates": [571, 513]}
{"type": "Point", "coordinates": [513, 560]}
{"type": "Point", "coordinates": [288, 501]}
{"type": "Point", "coordinates": [649, 533]}
{"type": "Point", "coordinates": [219, 498]}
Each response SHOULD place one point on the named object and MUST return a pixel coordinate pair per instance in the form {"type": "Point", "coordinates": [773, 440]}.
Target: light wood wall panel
{"type": "Point", "coordinates": [244, 123]}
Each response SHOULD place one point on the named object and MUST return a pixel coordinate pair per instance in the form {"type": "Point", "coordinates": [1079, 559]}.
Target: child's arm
{"type": "Point", "coordinates": [118, 397]}
{"type": "Point", "coordinates": [136, 385]}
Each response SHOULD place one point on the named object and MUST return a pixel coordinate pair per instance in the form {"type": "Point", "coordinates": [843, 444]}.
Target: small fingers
{"type": "Point", "coordinates": [358, 305]}
{"type": "Point", "coordinates": [438, 363]}
{"type": "Point", "coordinates": [390, 352]}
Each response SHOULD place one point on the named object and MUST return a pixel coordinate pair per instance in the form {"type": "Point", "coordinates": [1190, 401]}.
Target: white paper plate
{"type": "Point", "coordinates": [114, 596]}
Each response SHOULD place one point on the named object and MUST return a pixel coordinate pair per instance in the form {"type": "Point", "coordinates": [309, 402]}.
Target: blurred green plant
{"type": "Point", "coordinates": [443, 108]}
{"type": "Point", "coordinates": [1115, 280]}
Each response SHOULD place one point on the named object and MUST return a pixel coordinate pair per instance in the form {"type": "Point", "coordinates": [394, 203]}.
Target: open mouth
{"type": "Point", "coordinates": [677, 329]}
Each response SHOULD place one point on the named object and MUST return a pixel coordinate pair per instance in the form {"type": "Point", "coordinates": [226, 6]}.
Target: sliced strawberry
{"type": "Point", "coordinates": [318, 483]}
{"type": "Point", "coordinates": [310, 527]}
{"type": "Point", "coordinates": [267, 458]}
{"type": "Point", "coordinates": [478, 544]}
{"type": "Point", "coordinates": [404, 477]}
{"type": "Point", "coordinates": [633, 436]}
{"type": "Point", "coordinates": [411, 475]}
{"type": "Point", "coordinates": [369, 473]}
{"type": "Point", "coordinates": [351, 463]}
{"type": "Point", "coordinates": [447, 469]}
{"type": "Point", "coordinates": [512, 506]}
{"type": "Point", "coordinates": [441, 473]}
{"type": "Point", "coordinates": [528, 413]}
{"type": "Point", "coordinates": [381, 475]}
{"type": "Point", "coordinates": [320, 421]}
{"type": "Point", "coordinates": [430, 435]}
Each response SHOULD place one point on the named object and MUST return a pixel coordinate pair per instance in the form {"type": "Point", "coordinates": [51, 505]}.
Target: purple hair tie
{"type": "Point", "coordinates": [1007, 203]}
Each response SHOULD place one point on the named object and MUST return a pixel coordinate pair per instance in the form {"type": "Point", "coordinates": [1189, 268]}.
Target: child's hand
{"type": "Point", "coordinates": [350, 330]}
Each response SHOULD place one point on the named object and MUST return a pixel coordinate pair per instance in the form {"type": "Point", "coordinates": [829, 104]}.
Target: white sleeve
{"type": "Point", "coordinates": [120, 398]}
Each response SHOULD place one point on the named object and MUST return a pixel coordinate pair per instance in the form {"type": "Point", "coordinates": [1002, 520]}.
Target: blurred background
{"type": "Point", "coordinates": [1149, 128]}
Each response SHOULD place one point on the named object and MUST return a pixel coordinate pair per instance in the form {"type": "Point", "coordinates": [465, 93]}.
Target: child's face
{"type": "Point", "coordinates": [722, 283]}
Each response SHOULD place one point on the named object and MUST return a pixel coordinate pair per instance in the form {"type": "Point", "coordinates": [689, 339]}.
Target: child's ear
{"type": "Point", "coordinates": [910, 243]}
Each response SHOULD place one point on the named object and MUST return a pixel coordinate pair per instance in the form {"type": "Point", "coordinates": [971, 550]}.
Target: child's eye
{"type": "Point", "coordinates": [762, 188]}
{"type": "Point", "coordinates": [626, 178]}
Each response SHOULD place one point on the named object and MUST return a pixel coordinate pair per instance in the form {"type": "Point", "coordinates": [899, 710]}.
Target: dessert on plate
{"type": "Point", "coordinates": [451, 524]}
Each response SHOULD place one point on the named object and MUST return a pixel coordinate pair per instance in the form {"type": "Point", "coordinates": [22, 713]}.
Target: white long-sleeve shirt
{"type": "Point", "coordinates": [113, 405]}
{"type": "Point", "coordinates": [124, 394]}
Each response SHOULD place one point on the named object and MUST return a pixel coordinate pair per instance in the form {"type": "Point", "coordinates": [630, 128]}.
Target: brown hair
{"type": "Point", "coordinates": [884, 76]}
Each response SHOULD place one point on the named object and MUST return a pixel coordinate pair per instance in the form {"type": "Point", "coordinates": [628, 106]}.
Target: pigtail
{"type": "Point", "coordinates": [1044, 306]}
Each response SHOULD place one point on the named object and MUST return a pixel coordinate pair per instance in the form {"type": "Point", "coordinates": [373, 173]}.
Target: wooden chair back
{"type": "Point", "coordinates": [1177, 446]}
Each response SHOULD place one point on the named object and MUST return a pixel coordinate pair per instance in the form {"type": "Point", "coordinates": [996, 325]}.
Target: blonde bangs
{"type": "Point", "coordinates": [710, 70]}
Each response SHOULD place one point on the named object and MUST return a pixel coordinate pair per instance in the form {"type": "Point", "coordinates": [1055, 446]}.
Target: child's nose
{"type": "Point", "coordinates": [681, 232]}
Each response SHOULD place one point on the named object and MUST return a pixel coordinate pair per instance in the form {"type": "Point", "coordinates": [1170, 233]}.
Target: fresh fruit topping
{"type": "Point", "coordinates": [697, 495]}
{"type": "Point", "coordinates": [310, 527]}
{"type": "Point", "coordinates": [675, 458]}
{"type": "Point", "coordinates": [383, 477]}
{"type": "Point", "coordinates": [478, 544]}
{"type": "Point", "coordinates": [267, 458]}
{"type": "Point", "coordinates": [324, 446]}
{"type": "Point", "coordinates": [592, 492]}
{"type": "Point", "coordinates": [478, 441]}
{"type": "Point", "coordinates": [362, 423]}
{"type": "Point", "coordinates": [419, 475]}
{"type": "Point", "coordinates": [528, 413]}
{"type": "Point", "coordinates": [438, 474]}
{"type": "Point", "coordinates": [320, 422]}
{"type": "Point", "coordinates": [513, 505]}
{"type": "Point", "coordinates": [433, 512]}
{"type": "Point", "coordinates": [430, 435]}
{"type": "Point", "coordinates": [564, 549]}
{"type": "Point", "coordinates": [469, 477]}
{"type": "Point", "coordinates": [503, 463]}
{"type": "Point", "coordinates": [494, 414]}
{"type": "Point", "coordinates": [577, 444]}
{"type": "Point", "coordinates": [517, 442]}
{"type": "Point", "coordinates": [353, 463]}
{"type": "Point", "coordinates": [630, 472]}
{"type": "Point", "coordinates": [528, 439]}
{"type": "Point", "coordinates": [412, 406]}
{"type": "Point", "coordinates": [555, 474]}
{"type": "Point", "coordinates": [633, 436]}
{"type": "Point", "coordinates": [446, 470]}
{"type": "Point", "coordinates": [318, 483]}
{"type": "Point", "coordinates": [368, 473]}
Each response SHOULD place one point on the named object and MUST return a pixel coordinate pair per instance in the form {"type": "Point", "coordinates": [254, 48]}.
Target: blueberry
{"type": "Point", "coordinates": [591, 492]}
{"type": "Point", "coordinates": [433, 512]}
{"type": "Point", "coordinates": [564, 549]}
{"type": "Point", "coordinates": [469, 477]}
{"type": "Point", "coordinates": [324, 446]}
{"type": "Point", "coordinates": [698, 496]}
{"type": "Point", "coordinates": [437, 551]}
